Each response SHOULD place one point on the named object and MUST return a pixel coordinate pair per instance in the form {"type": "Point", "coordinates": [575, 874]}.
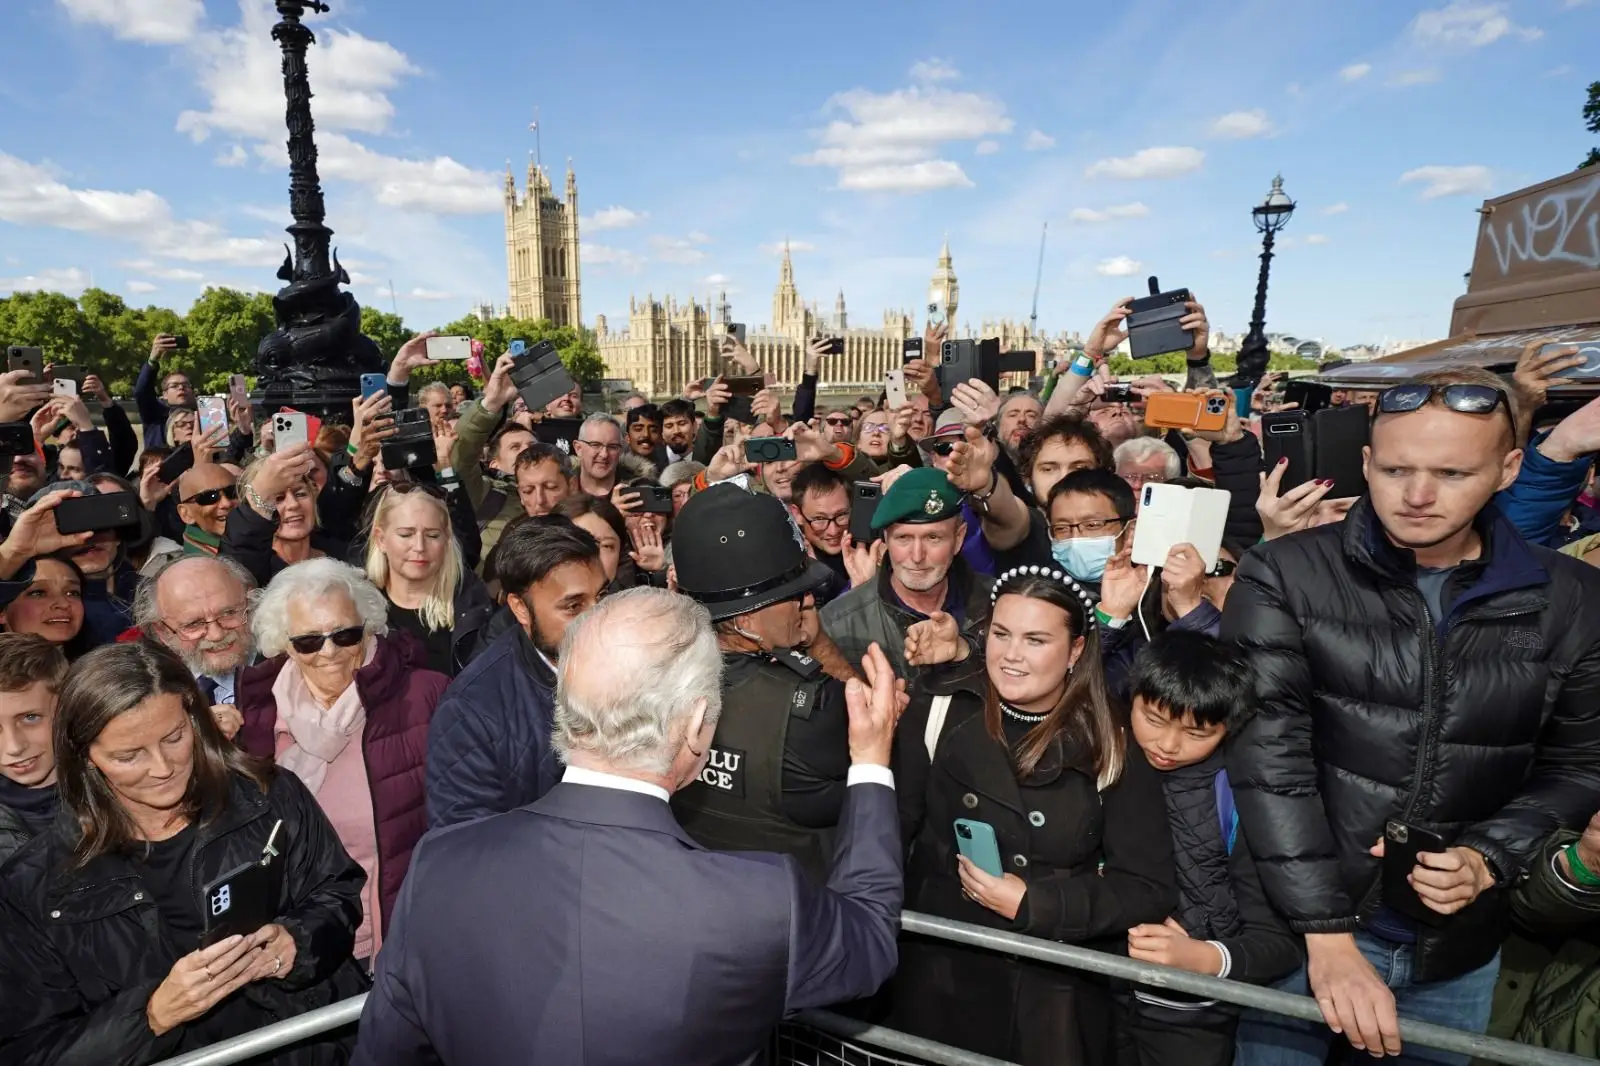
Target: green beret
{"type": "Point", "coordinates": [920, 495]}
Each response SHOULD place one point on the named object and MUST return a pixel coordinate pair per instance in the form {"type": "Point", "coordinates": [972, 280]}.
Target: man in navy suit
{"type": "Point", "coordinates": [588, 928]}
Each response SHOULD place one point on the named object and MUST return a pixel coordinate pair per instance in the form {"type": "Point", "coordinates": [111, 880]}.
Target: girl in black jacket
{"type": "Point", "coordinates": [102, 917]}
{"type": "Point", "coordinates": [1025, 742]}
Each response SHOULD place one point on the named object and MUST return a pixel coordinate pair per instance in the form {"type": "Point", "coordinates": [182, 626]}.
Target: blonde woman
{"type": "Point", "coordinates": [275, 522]}
{"type": "Point", "coordinates": [413, 556]}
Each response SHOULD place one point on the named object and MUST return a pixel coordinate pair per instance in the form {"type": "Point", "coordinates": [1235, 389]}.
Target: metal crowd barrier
{"type": "Point", "coordinates": [796, 1043]}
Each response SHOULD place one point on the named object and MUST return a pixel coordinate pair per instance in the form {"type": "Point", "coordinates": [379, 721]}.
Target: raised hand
{"type": "Point", "coordinates": [1122, 585]}
{"type": "Point", "coordinates": [1293, 510]}
{"type": "Point", "coordinates": [718, 396]}
{"type": "Point", "coordinates": [164, 344]}
{"type": "Point", "coordinates": [861, 561]}
{"type": "Point", "coordinates": [281, 471]}
{"type": "Point", "coordinates": [937, 639]}
{"type": "Point", "coordinates": [16, 399]}
{"type": "Point", "coordinates": [1536, 372]}
{"type": "Point", "coordinates": [34, 534]}
{"type": "Point", "coordinates": [412, 355]}
{"type": "Point", "coordinates": [1108, 332]}
{"type": "Point", "coordinates": [971, 464]}
{"type": "Point", "coordinates": [1197, 322]}
{"type": "Point", "coordinates": [648, 552]}
{"type": "Point", "coordinates": [875, 706]}
{"type": "Point", "coordinates": [499, 390]}
{"type": "Point", "coordinates": [1183, 577]}
{"type": "Point", "coordinates": [976, 401]}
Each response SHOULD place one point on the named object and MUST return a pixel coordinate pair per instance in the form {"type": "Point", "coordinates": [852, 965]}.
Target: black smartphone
{"type": "Point", "coordinates": [745, 385]}
{"type": "Point", "coordinates": [20, 357]}
{"type": "Point", "coordinates": [912, 349]}
{"type": "Point", "coordinates": [176, 465]}
{"type": "Point", "coordinates": [1402, 843]}
{"type": "Point", "coordinates": [1312, 396]}
{"type": "Point", "coordinates": [769, 450]}
{"type": "Point", "coordinates": [241, 901]}
{"type": "Point", "coordinates": [864, 497]}
{"type": "Point", "coordinates": [96, 514]}
{"type": "Point", "coordinates": [835, 346]}
{"type": "Point", "coordinates": [1118, 392]}
{"type": "Point", "coordinates": [1338, 435]}
{"type": "Point", "coordinates": [653, 499]}
{"type": "Point", "coordinates": [741, 409]}
{"type": "Point", "coordinates": [1152, 323]}
{"type": "Point", "coordinates": [16, 438]}
{"type": "Point", "coordinates": [558, 432]}
{"type": "Point", "coordinates": [736, 330]}
{"type": "Point", "coordinates": [540, 376]}
{"type": "Point", "coordinates": [181, 341]}
{"type": "Point", "coordinates": [1287, 435]}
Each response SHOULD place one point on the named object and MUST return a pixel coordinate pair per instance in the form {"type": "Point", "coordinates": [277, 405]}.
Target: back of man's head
{"type": "Point", "coordinates": [532, 547]}
{"type": "Point", "coordinates": [604, 718]}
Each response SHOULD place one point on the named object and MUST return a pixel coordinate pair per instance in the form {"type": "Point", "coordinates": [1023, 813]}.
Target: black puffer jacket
{"type": "Point", "coordinates": [1484, 725]}
{"type": "Point", "coordinates": [82, 951]}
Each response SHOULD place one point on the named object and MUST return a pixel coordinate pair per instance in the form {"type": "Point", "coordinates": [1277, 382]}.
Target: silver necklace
{"type": "Point", "coordinates": [1023, 716]}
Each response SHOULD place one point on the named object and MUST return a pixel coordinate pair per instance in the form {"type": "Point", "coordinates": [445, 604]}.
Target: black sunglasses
{"type": "Point", "coordinates": [1222, 569]}
{"type": "Point", "coordinates": [311, 643]}
{"type": "Point", "coordinates": [211, 497]}
{"type": "Point", "coordinates": [941, 448]}
{"type": "Point", "coordinates": [1463, 399]}
{"type": "Point", "coordinates": [403, 487]}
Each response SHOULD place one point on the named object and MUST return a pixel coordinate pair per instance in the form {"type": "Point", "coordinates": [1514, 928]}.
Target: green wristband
{"type": "Point", "coordinates": [352, 450]}
{"type": "Point", "coordinates": [1581, 873]}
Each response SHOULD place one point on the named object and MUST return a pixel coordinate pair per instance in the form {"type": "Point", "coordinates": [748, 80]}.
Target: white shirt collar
{"type": "Point", "coordinates": [577, 775]}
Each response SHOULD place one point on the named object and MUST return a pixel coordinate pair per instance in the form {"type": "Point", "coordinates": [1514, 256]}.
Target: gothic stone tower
{"type": "Point", "coordinates": [542, 249]}
{"type": "Point", "coordinates": [944, 290]}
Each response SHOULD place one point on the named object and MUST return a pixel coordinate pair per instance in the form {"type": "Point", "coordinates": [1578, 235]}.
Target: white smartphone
{"type": "Point", "coordinates": [64, 387]}
{"type": "Point", "coordinates": [289, 429]}
{"type": "Point", "coordinates": [1170, 515]}
{"type": "Point", "coordinates": [213, 412]}
{"type": "Point", "coordinates": [894, 387]}
{"type": "Point", "coordinates": [449, 349]}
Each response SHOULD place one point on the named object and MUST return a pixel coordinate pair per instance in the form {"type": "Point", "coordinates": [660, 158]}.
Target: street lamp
{"type": "Point", "coordinates": [314, 360]}
{"type": "Point", "coordinates": [1271, 215]}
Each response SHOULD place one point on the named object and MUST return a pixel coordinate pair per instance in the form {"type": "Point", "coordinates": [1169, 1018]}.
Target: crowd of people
{"type": "Point", "coordinates": [610, 738]}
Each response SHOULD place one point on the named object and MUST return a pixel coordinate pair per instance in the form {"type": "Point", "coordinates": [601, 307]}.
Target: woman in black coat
{"type": "Point", "coordinates": [102, 916]}
{"type": "Point", "coordinates": [1024, 741]}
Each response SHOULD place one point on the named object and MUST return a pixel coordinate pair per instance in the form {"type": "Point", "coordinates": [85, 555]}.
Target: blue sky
{"type": "Point", "coordinates": [142, 147]}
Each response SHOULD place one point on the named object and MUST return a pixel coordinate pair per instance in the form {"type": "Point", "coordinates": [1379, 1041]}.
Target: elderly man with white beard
{"type": "Point", "coordinates": [199, 606]}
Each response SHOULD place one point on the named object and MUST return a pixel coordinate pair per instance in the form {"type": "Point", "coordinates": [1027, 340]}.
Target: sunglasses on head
{"type": "Point", "coordinates": [311, 643]}
{"type": "Point", "coordinates": [1464, 399]}
{"type": "Point", "coordinates": [403, 487]}
{"type": "Point", "coordinates": [212, 497]}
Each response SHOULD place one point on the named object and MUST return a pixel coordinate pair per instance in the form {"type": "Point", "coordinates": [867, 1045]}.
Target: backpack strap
{"type": "Point", "coordinates": [936, 715]}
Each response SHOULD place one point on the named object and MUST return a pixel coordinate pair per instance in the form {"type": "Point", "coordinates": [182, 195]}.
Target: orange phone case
{"type": "Point", "coordinates": [1182, 410]}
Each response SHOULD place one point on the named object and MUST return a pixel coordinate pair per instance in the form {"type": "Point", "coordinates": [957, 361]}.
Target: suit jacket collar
{"type": "Point", "coordinates": [593, 805]}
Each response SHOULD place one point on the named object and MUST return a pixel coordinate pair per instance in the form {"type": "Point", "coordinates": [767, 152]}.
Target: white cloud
{"type": "Point", "coordinates": [715, 279]}
{"type": "Point", "coordinates": [987, 148]}
{"type": "Point", "coordinates": [933, 70]}
{"type": "Point", "coordinates": [602, 255]}
{"type": "Point", "coordinates": [696, 237]}
{"type": "Point", "coordinates": [1119, 267]}
{"type": "Point", "coordinates": [1336, 209]}
{"type": "Point", "coordinates": [70, 280]}
{"type": "Point", "coordinates": [677, 249]}
{"type": "Point", "coordinates": [1115, 211]}
{"type": "Point", "coordinates": [1038, 141]}
{"type": "Point", "coordinates": [1355, 71]}
{"type": "Point", "coordinates": [1241, 125]}
{"type": "Point", "coordinates": [1466, 24]}
{"type": "Point", "coordinates": [613, 217]}
{"type": "Point", "coordinates": [1165, 162]}
{"type": "Point", "coordinates": [890, 142]}
{"type": "Point", "coordinates": [1450, 181]}
{"type": "Point", "coordinates": [140, 287]}
{"type": "Point", "coordinates": [149, 21]}
{"type": "Point", "coordinates": [776, 248]}
{"type": "Point", "coordinates": [1407, 78]}
{"type": "Point", "coordinates": [1316, 238]}
{"type": "Point", "coordinates": [235, 156]}
{"type": "Point", "coordinates": [430, 295]}
{"type": "Point", "coordinates": [156, 270]}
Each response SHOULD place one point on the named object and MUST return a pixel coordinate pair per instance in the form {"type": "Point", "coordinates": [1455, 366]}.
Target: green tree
{"type": "Point", "coordinates": [1123, 366]}
{"type": "Point", "coordinates": [1591, 119]}
{"type": "Point", "coordinates": [224, 326]}
{"type": "Point", "coordinates": [576, 345]}
{"type": "Point", "coordinates": [46, 320]}
{"type": "Point", "coordinates": [387, 331]}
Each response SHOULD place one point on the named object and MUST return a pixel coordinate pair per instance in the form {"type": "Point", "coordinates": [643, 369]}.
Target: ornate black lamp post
{"type": "Point", "coordinates": [315, 358]}
{"type": "Point", "coordinates": [1271, 215]}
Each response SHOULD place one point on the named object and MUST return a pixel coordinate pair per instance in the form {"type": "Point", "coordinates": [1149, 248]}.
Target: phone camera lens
{"type": "Point", "coordinates": [964, 832]}
{"type": "Point", "coordinates": [1149, 494]}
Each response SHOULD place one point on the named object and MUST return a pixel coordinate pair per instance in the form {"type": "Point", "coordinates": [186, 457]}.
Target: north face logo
{"type": "Point", "coordinates": [1526, 639]}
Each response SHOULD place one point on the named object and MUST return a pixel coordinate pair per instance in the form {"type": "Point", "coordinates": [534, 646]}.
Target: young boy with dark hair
{"type": "Point", "coordinates": [31, 672]}
{"type": "Point", "coordinates": [1189, 691]}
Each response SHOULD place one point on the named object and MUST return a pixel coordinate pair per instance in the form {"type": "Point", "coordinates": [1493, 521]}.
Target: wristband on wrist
{"type": "Point", "coordinates": [1585, 877]}
{"type": "Point", "coordinates": [1105, 619]}
{"type": "Point", "coordinates": [352, 449]}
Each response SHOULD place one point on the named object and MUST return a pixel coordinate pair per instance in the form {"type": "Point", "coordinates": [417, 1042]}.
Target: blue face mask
{"type": "Point", "coordinates": [1084, 557]}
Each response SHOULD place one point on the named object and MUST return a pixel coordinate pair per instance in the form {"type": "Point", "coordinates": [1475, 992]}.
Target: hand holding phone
{"type": "Point", "coordinates": [289, 430]}
{"type": "Point", "coordinates": [976, 840]}
{"type": "Point", "coordinates": [449, 349]}
{"type": "Point", "coordinates": [894, 388]}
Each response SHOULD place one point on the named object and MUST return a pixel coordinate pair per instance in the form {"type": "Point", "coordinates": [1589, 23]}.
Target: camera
{"type": "Point", "coordinates": [769, 450]}
{"type": "Point", "coordinates": [1217, 405]}
{"type": "Point", "coordinates": [963, 832]}
{"type": "Point", "coordinates": [411, 447]}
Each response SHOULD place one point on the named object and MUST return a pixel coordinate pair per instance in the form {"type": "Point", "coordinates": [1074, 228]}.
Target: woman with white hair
{"type": "Point", "coordinates": [345, 705]}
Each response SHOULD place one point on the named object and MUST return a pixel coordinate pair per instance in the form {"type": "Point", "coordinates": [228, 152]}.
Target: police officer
{"type": "Point", "coordinates": [776, 775]}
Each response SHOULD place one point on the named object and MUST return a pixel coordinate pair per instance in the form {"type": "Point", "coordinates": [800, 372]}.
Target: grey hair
{"type": "Point", "coordinates": [433, 387]}
{"type": "Point", "coordinates": [145, 611]}
{"type": "Point", "coordinates": [683, 470]}
{"type": "Point", "coordinates": [601, 709]}
{"type": "Point", "coordinates": [1138, 449]}
{"type": "Point", "coordinates": [598, 420]}
{"type": "Point", "coordinates": [310, 580]}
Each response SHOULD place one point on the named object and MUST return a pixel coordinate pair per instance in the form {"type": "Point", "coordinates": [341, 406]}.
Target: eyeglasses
{"type": "Point", "coordinates": [613, 449]}
{"type": "Point", "coordinates": [1463, 399]}
{"type": "Point", "coordinates": [941, 448]}
{"type": "Point", "coordinates": [232, 618]}
{"type": "Point", "coordinates": [311, 643]}
{"type": "Point", "coordinates": [1138, 480]}
{"type": "Point", "coordinates": [874, 428]}
{"type": "Point", "coordinates": [212, 497]}
{"type": "Point", "coordinates": [1089, 527]}
{"type": "Point", "coordinates": [821, 522]}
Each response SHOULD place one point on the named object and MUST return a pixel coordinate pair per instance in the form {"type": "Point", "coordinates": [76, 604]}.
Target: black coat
{"type": "Point", "coordinates": [1055, 831]}
{"type": "Point", "coordinates": [82, 951]}
{"type": "Point", "coordinates": [1484, 725]}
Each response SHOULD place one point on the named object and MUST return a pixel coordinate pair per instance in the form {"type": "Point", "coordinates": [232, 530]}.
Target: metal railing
{"type": "Point", "coordinates": [325, 1019]}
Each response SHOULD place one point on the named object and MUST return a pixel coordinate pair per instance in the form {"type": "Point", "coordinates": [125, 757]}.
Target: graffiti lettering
{"type": "Point", "coordinates": [1561, 227]}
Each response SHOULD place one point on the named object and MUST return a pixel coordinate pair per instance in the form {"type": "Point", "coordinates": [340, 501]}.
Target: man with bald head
{"type": "Point", "coordinates": [206, 493]}
{"type": "Point", "coordinates": [199, 607]}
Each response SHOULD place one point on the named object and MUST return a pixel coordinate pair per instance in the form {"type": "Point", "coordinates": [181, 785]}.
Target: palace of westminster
{"type": "Point", "coordinates": [666, 345]}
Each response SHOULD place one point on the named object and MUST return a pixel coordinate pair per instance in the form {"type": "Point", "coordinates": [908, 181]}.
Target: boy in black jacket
{"type": "Point", "coordinates": [1189, 691]}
